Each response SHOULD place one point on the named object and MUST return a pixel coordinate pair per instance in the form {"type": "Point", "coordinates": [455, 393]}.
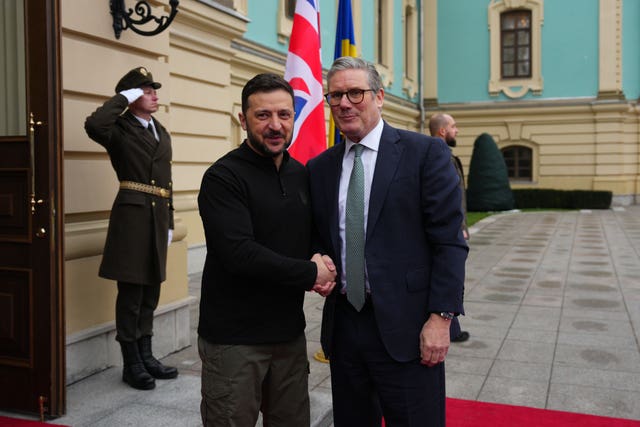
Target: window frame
{"type": "Point", "coordinates": [285, 23]}
{"type": "Point", "coordinates": [384, 40]}
{"type": "Point", "coordinates": [410, 78]}
{"type": "Point", "coordinates": [515, 87]}
{"type": "Point", "coordinates": [516, 148]}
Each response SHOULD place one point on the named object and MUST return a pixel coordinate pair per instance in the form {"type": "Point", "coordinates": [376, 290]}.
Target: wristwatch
{"type": "Point", "coordinates": [446, 315]}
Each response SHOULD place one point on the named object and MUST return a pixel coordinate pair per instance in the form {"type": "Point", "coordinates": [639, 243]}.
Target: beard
{"type": "Point", "coordinates": [451, 142]}
{"type": "Point", "coordinates": [262, 148]}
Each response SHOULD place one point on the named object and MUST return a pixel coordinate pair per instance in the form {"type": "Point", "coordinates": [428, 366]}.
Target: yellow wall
{"type": "Point", "coordinates": [192, 60]}
{"type": "Point", "coordinates": [582, 146]}
{"type": "Point", "coordinates": [579, 145]}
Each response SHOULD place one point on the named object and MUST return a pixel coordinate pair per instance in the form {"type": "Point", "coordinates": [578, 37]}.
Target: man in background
{"type": "Point", "coordinates": [444, 126]}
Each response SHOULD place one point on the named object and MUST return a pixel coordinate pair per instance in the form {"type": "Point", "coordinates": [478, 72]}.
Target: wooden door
{"type": "Point", "coordinates": [32, 341]}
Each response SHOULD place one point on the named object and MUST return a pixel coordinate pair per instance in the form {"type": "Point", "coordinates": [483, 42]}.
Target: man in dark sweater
{"type": "Point", "coordinates": [255, 208]}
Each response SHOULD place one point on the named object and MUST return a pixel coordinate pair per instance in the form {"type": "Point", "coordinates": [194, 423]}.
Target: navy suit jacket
{"type": "Point", "coordinates": [415, 252]}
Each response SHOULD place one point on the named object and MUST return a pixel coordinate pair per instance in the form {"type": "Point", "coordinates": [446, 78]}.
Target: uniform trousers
{"type": "Point", "coordinates": [135, 305]}
{"type": "Point", "coordinates": [410, 394]}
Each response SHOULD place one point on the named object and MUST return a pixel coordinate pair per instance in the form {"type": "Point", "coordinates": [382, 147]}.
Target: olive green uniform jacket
{"type": "Point", "coordinates": [136, 247]}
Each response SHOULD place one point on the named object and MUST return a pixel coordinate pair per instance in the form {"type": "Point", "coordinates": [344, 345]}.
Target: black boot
{"type": "Point", "coordinates": [153, 365]}
{"type": "Point", "coordinates": [133, 372]}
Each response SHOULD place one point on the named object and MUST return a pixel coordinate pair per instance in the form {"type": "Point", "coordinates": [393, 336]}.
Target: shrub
{"type": "Point", "coordinates": [488, 183]}
{"type": "Point", "coordinates": [528, 198]}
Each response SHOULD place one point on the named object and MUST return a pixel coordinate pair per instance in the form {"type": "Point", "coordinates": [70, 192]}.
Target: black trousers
{"type": "Point", "coordinates": [135, 305]}
{"type": "Point", "coordinates": [454, 329]}
{"type": "Point", "coordinates": [410, 394]}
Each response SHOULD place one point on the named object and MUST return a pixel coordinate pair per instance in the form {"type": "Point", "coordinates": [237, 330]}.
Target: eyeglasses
{"type": "Point", "coordinates": [355, 96]}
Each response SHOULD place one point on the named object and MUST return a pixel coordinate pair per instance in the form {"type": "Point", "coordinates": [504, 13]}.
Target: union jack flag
{"type": "Point", "coordinates": [304, 73]}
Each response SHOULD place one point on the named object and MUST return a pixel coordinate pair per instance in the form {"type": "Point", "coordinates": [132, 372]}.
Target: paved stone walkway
{"type": "Point", "coordinates": [553, 308]}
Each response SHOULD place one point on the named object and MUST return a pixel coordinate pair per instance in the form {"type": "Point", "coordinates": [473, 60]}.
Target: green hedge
{"type": "Point", "coordinates": [528, 198]}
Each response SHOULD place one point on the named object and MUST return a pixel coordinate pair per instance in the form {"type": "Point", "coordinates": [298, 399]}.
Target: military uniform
{"type": "Point", "coordinates": [136, 246]}
{"type": "Point", "coordinates": [135, 251]}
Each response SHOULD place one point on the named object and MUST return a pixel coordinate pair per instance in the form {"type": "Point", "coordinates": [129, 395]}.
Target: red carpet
{"type": "Point", "coordinates": [15, 422]}
{"type": "Point", "coordinates": [470, 413]}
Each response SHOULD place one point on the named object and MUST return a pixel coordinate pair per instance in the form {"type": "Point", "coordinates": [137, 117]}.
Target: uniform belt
{"type": "Point", "coordinates": [145, 188]}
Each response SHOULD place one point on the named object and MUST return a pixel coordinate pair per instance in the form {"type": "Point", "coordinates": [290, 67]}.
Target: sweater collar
{"type": "Point", "coordinates": [262, 160]}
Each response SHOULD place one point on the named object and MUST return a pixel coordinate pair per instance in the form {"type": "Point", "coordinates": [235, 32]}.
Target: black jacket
{"type": "Point", "coordinates": [257, 224]}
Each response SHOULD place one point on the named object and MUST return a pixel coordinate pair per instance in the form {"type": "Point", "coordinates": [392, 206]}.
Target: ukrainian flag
{"type": "Point", "coordinates": [345, 46]}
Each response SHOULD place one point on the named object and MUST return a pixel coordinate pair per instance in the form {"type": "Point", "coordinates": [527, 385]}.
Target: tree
{"type": "Point", "coordinates": [488, 183]}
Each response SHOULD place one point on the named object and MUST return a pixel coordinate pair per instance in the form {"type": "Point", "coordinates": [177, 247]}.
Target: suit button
{"type": "Point", "coordinates": [153, 182]}
{"type": "Point", "coordinates": [153, 203]}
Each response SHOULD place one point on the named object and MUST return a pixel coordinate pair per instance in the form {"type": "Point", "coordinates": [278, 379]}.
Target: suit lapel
{"type": "Point", "coordinates": [389, 153]}
{"type": "Point", "coordinates": [333, 188]}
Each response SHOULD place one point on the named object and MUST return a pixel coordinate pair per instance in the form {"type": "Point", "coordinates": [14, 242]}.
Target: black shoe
{"type": "Point", "coordinates": [133, 371]}
{"type": "Point", "coordinates": [462, 337]}
{"type": "Point", "coordinates": [153, 365]}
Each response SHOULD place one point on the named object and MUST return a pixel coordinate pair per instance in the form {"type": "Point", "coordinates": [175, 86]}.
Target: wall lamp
{"type": "Point", "coordinates": [122, 18]}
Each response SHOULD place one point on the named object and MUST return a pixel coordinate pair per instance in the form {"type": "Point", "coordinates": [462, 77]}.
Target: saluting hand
{"type": "Point", "coordinates": [132, 94]}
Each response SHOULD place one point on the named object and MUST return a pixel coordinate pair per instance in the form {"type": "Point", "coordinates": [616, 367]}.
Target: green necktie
{"type": "Point", "coordinates": [354, 232]}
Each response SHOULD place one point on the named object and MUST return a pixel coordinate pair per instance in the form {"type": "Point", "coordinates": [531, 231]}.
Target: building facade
{"type": "Point", "coordinates": [568, 117]}
{"type": "Point", "coordinates": [556, 83]}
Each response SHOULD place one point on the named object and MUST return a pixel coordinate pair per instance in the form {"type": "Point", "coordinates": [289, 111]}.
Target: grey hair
{"type": "Point", "coordinates": [351, 63]}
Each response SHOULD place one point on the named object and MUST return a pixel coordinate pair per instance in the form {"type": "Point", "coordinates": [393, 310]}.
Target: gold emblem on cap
{"type": "Point", "coordinates": [143, 71]}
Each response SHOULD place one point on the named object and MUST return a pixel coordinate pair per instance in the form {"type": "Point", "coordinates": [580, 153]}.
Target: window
{"type": "Point", "coordinates": [384, 40]}
{"type": "Point", "coordinates": [519, 162]}
{"type": "Point", "coordinates": [290, 8]}
{"type": "Point", "coordinates": [515, 38]}
{"type": "Point", "coordinates": [409, 84]}
{"type": "Point", "coordinates": [515, 42]}
{"type": "Point", "coordinates": [286, 10]}
{"type": "Point", "coordinates": [379, 38]}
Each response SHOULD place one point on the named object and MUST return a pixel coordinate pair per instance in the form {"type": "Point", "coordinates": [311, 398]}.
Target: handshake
{"type": "Point", "coordinates": [326, 278]}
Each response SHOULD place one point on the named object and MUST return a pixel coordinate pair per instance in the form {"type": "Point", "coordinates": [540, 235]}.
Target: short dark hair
{"type": "Point", "coordinates": [265, 82]}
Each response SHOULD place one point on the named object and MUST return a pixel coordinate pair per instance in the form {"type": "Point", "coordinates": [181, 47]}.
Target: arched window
{"type": "Point", "coordinates": [519, 161]}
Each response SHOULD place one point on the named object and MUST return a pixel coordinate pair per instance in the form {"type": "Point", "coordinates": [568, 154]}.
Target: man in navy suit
{"type": "Point", "coordinates": [392, 346]}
